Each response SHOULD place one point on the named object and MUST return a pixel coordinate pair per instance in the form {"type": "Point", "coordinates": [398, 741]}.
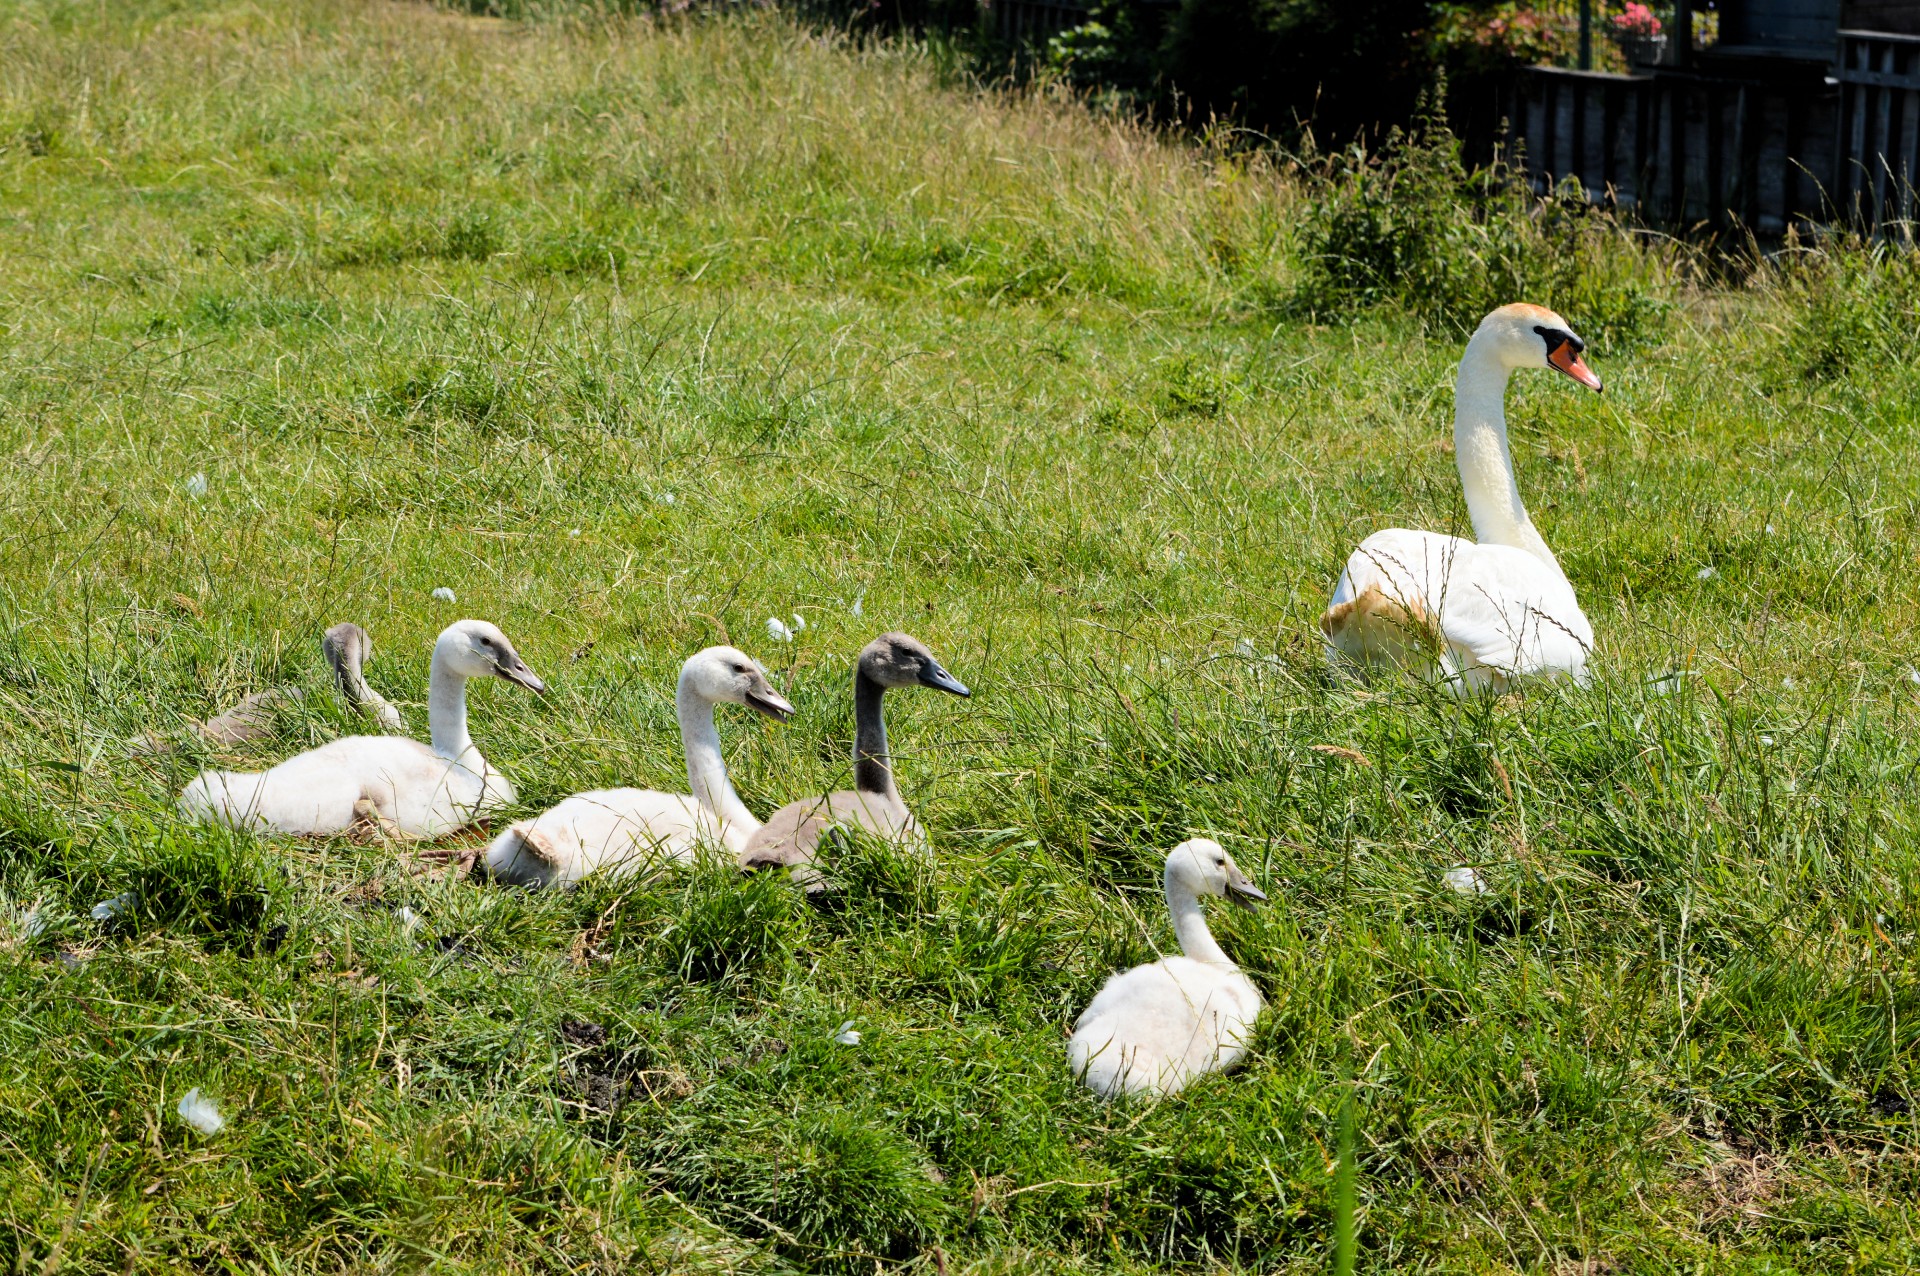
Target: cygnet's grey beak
{"type": "Point", "coordinates": [1246, 894]}
{"type": "Point", "coordinates": [516, 671]}
{"type": "Point", "coordinates": [934, 676]}
{"type": "Point", "coordinates": [770, 702]}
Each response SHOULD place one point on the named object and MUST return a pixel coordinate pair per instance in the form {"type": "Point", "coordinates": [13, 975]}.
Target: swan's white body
{"type": "Point", "coordinates": [424, 791]}
{"type": "Point", "coordinates": [1157, 1027]}
{"type": "Point", "coordinates": [629, 832]}
{"type": "Point", "coordinates": [1473, 616]}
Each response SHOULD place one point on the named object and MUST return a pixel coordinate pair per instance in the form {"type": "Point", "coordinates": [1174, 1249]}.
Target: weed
{"type": "Point", "coordinates": [1854, 301]}
{"type": "Point", "coordinates": [725, 927]}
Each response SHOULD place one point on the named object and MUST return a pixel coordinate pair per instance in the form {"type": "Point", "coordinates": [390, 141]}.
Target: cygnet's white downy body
{"type": "Point", "coordinates": [792, 835]}
{"type": "Point", "coordinates": [1155, 1028]}
{"type": "Point", "coordinates": [1473, 616]}
{"type": "Point", "coordinates": [625, 832]}
{"type": "Point", "coordinates": [419, 791]}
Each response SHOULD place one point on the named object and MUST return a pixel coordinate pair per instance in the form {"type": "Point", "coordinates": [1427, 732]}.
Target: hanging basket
{"type": "Point", "coordinates": [1644, 50]}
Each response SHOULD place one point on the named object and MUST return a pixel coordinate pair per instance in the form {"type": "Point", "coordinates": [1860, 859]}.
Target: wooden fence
{"type": "Point", "coordinates": [1684, 147]}
{"type": "Point", "coordinates": [1755, 143]}
{"type": "Point", "coordinates": [1879, 78]}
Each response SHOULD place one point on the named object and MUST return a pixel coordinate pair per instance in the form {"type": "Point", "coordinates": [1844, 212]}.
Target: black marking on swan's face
{"type": "Point", "coordinates": [1563, 355]}
{"type": "Point", "coordinates": [507, 663]}
{"type": "Point", "coordinates": [1557, 337]}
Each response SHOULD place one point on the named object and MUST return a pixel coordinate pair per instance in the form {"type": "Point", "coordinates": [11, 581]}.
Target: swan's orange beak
{"type": "Point", "coordinates": [1568, 360]}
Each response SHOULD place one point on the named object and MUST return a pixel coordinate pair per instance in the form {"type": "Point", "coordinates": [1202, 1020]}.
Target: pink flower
{"type": "Point", "coordinates": [1638, 20]}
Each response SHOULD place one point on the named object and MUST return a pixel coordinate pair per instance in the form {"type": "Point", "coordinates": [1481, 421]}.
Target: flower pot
{"type": "Point", "coordinates": [1644, 50]}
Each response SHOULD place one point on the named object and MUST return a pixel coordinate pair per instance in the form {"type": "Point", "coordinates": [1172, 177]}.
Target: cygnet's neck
{"type": "Point", "coordinates": [1190, 924]}
{"type": "Point", "coordinates": [707, 777]}
{"type": "Point", "coordinates": [350, 675]}
{"type": "Point", "coordinates": [447, 711]}
{"type": "Point", "coordinates": [872, 768]}
{"type": "Point", "coordinates": [1480, 449]}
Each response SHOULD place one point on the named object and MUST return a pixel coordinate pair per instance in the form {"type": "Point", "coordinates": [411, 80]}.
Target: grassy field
{"type": "Point", "coordinates": [635, 335]}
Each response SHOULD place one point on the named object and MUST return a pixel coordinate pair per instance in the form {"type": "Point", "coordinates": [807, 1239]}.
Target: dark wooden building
{"type": "Point", "coordinates": [1803, 110]}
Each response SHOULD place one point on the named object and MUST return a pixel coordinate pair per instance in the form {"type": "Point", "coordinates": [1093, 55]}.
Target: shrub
{"type": "Point", "coordinates": [1273, 65]}
{"type": "Point", "coordinates": [1408, 224]}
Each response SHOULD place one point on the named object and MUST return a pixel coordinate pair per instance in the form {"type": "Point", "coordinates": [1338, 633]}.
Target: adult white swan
{"type": "Point", "coordinates": [1476, 617]}
{"type": "Point", "coordinates": [422, 791]}
{"type": "Point", "coordinates": [1157, 1027]}
{"type": "Point", "coordinates": [625, 831]}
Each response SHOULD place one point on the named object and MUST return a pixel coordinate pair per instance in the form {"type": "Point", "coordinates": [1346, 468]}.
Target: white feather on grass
{"type": "Point", "coordinates": [108, 909]}
{"type": "Point", "coordinates": [197, 1110]}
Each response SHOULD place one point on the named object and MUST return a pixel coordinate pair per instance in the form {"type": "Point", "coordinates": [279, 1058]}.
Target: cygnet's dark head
{"type": "Point", "coordinates": [346, 646]}
{"type": "Point", "coordinates": [898, 660]}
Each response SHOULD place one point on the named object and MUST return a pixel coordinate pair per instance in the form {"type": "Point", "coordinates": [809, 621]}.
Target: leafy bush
{"type": "Point", "coordinates": [1479, 38]}
{"type": "Point", "coordinates": [1410, 225]}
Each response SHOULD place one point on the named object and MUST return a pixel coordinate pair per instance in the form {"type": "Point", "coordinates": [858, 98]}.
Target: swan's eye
{"type": "Point", "coordinates": [1557, 337]}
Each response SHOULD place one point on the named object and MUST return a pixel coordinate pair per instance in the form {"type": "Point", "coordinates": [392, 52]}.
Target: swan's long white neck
{"type": "Point", "coordinates": [707, 777]}
{"type": "Point", "coordinates": [1480, 449]}
{"type": "Point", "coordinates": [447, 710]}
{"type": "Point", "coordinates": [1190, 924]}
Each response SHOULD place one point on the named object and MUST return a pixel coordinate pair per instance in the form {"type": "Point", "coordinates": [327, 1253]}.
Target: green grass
{"type": "Point", "coordinates": [635, 334]}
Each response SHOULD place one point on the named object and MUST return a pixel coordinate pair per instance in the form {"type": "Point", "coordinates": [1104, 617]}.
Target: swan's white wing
{"type": "Point", "coordinates": [1473, 615]}
{"type": "Point", "coordinates": [621, 831]}
{"type": "Point", "coordinates": [424, 794]}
